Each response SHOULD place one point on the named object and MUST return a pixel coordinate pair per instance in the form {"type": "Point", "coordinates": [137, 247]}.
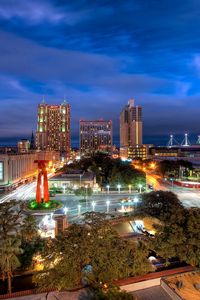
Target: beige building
{"type": "Point", "coordinates": [131, 125]}
{"type": "Point", "coordinates": [131, 132]}
{"type": "Point", "coordinates": [53, 127]}
{"type": "Point", "coordinates": [17, 168]}
{"type": "Point", "coordinates": [23, 146]}
{"type": "Point", "coordinates": [73, 180]}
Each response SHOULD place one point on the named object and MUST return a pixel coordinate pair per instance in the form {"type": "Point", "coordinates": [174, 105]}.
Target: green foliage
{"type": "Point", "coordinates": [95, 246]}
{"type": "Point", "coordinates": [110, 171]}
{"type": "Point", "coordinates": [162, 205]}
{"type": "Point", "coordinates": [82, 191]}
{"type": "Point", "coordinates": [9, 262]}
{"type": "Point", "coordinates": [167, 167]}
{"type": "Point", "coordinates": [52, 204]}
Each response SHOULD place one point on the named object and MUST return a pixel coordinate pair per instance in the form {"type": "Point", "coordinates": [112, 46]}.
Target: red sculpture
{"type": "Point", "coordinates": [42, 189]}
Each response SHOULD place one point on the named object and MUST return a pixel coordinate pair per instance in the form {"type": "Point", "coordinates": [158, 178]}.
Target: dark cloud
{"type": "Point", "coordinates": [99, 54]}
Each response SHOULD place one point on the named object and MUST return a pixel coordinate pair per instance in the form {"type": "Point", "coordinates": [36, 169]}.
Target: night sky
{"type": "Point", "coordinates": [99, 54]}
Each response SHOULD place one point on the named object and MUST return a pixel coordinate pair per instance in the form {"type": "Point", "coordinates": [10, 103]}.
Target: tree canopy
{"type": "Point", "coordinates": [92, 253]}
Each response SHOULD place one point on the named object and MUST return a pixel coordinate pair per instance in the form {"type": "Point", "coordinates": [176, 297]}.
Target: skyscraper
{"type": "Point", "coordinates": [131, 132]}
{"type": "Point", "coordinates": [53, 127]}
{"type": "Point", "coordinates": [131, 125]}
{"type": "Point", "coordinates": [95, 135]}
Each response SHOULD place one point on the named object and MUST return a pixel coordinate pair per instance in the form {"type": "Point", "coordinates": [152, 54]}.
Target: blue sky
{"type": "Point", "coordinates": [99, 54]}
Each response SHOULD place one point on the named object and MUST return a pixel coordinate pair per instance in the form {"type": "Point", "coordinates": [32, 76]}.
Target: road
{"type": "Point", "coordinates": [24, 192]}
{"type": "Point", "coordinates": [188, 197]}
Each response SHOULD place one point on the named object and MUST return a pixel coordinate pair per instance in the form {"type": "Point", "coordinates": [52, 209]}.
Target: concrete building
{"type": "Point", "coordinates": [73, 179]}
{"type": "Point", "coordinates": [23, 146]}
{"type": "Point", "coordinates": [131, 125]}
{"type": "Point", "coordinates": [16, 168]}
{"type": "Point", "coordinates": [53, 127]}
{"type": "Point", "coordinates": [131, 131]}
{"type": "Point", "coordinates": [95, 135]}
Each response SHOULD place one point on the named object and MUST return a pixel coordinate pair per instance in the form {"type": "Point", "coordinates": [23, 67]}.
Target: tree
{"type": "Point", "coordinates": [92, 252]}
{"type": "Point", "coordinates": [29, 229]}
{"type": "Point", "coordinates": [11, 217]}
{"type": "Point", "coordinates": [162, 205]}
{"type": "Point", "coordinates": [9, 251]}
{"type": "Point", "coordinates": [84, 192]}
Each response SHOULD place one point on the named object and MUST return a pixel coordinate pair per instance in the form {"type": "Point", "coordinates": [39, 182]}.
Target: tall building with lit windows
{"type": "Point", "coordinates": [95, 136]}
{"type": "Point", "coordinates": [53, 127]}
{"type": "Point", "coordinates": [131, 131]}
{"type": "Point", "coordinates": [131, 125]}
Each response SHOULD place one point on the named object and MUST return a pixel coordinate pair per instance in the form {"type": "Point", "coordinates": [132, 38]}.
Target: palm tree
{"type": "Point", "coordinates": [9, 249]}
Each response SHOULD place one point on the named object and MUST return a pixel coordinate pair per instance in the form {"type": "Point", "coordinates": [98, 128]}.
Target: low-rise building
{"type": "Point", "coordinates": [73, 179]}
{"type": "Point", "coordinates": [133, 152]}
{"type": "Point", "coordinates": [16, 168]}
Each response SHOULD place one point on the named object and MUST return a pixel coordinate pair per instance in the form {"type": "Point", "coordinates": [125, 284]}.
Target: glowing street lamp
{"type": "Point", "coordinates": [135, 200]}
{"type": "Point", "coordinates": [108, 188]}
{"type": "Point", "coordinates": [93, 205]}
{"type": "Point", "coordinates": [119, 188]}
{"type": "Point", "coordinates": [64, 189]}
{"type": "Point", "coordinates": [79, 210]}
{"type": "Point", "coordinates": [65, 210]}
{"type": "Point", "coordinates": [140, 187]}
{"type": "Point", "coordinates": [129, 188]}
{"type": "Point", "coordinates": [108, 205]}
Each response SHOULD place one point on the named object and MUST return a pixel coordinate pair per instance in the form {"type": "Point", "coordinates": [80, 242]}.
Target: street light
{"type": "Point", "coordinates": [93, 205]}
{"type": "Point", "coordinates": [140, 187]}
{"type": "Point", "coordinates": [79, 210]}
{"type": "Point", "coordinates": [64, 189]}
{"type": "Point", "coordinates": [65, 210]}
{"type": "Point", "coordinates": [108, 189]}
{"type": "Point", "coordinates": [107, 204]}
{"type": "Point", "coordinates": [129, 188]}
{"type": "Point", "coordinates": [119, 188]}
{"type": "Point", "coordinates": [135, 200]}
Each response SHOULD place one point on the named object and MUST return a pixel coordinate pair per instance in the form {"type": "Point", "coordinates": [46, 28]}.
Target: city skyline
{"type": "Point", "coordinates": [100, 61]}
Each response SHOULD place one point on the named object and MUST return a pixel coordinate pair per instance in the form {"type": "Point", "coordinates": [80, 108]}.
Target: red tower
{"type": "Point", "coordinates": [42, 189]}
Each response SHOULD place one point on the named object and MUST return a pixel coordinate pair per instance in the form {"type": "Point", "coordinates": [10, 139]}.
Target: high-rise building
{"type": "Point", "coordinates": [53, 127]}
{"type": "Point", "coordinates": [95, 135]}
{"type": "Point", "coordinates": [131, 125]}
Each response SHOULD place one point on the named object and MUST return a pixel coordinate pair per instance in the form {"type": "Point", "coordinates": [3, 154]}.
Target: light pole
{"type": "Point", "coordinates": [80, 180]}
{"type": "Point", "coordinates": [93, 206]}
{"type": "Point", "coordinates": [135, 200]}
{"type": "Point", "coordinates": [64, 189]}
{"type": "Point", "coordinates": [108, 189]}
{"type": "Point", "coordinates": [86, 194]}
{"type": "Point", "coordinates": [119, 188]}
{"type": "Point", "coordinates": [79, 210]}
{"type": "Point", "coordinates": [65, 210]}
{"type": "Point", "coordinates": [140, 187]}
{"type": "Point", "coordinates": [107, 204]}
{"type": "Point", "coordinates": [129, 188]}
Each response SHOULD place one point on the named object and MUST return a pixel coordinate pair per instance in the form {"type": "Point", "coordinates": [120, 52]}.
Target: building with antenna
{"type": "Point", "coordinates": [53, 127]}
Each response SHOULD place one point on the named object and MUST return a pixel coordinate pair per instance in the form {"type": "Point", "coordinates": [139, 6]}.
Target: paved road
{"type": "Point", "coordinates": [188, 197]}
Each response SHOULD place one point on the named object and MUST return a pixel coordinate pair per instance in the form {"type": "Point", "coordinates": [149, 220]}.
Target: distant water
{"type": "Point", "coordinates": [157, 140]}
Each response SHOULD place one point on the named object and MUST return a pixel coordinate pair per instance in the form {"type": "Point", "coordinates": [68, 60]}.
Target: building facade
{"type": "Point", "coordinates": [95, 136]}
{"type": "Point", "coordinates": [17, 168]}
{"type": "Point", "coordinates": [131, 132]}
{"type": "Point", "coordinates": [53, 127]}
{"type": "Point", "coordinates": [131, 125]}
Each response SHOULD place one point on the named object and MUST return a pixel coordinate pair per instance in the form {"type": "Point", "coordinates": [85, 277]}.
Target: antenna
{"type": "Point", "coordinates": [172, 141]}
{"type": "Point", "coordinates": [43, 99]}
{"type": "Point", "coordinates": [185, 141]}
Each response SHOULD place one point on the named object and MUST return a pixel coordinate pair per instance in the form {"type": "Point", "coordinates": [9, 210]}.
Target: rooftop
{"type": "Point", "coordinates": [185, 285]}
